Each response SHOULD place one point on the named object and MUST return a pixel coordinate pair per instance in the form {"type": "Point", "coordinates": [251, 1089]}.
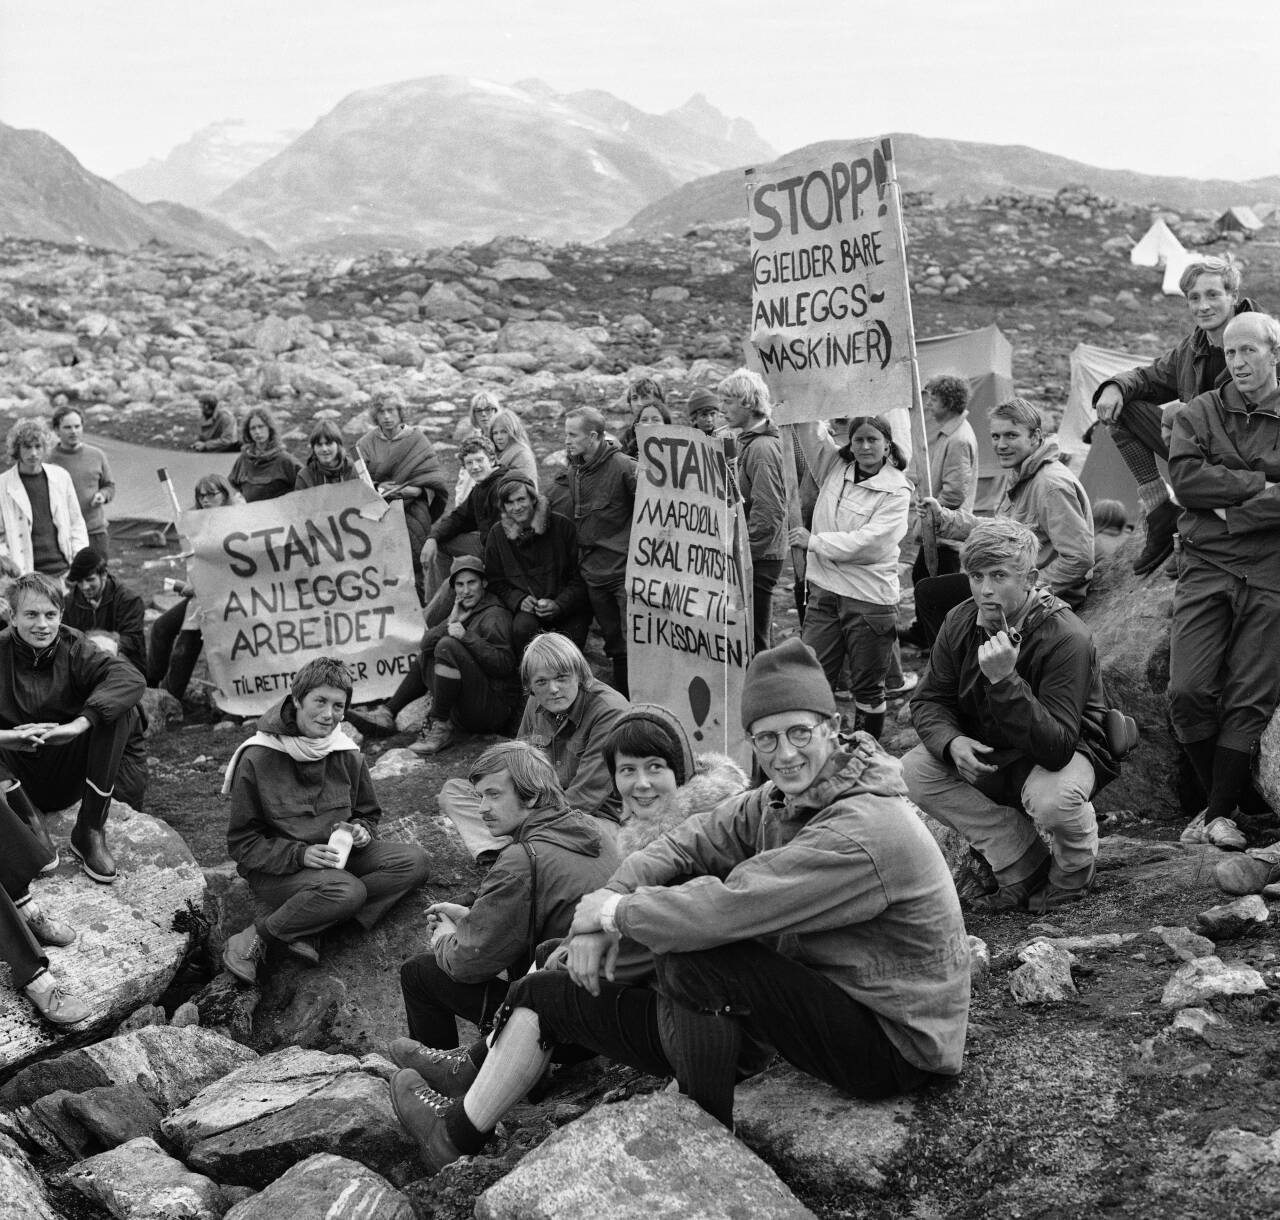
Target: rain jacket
{"type": "Point", "coordinates": [541, 561]}
{"type": "Point", "coordinates": [764, 497]}
{"type": "Point", "coordinates": [487, 637]}
{"type": "Point", "coordinates": [598, 497]}
{"type": "Point", "coordinates": [120, 611]}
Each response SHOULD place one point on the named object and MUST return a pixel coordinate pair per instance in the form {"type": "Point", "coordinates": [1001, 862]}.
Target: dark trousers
{"type": "Point", "coordinates": [172, 653]}
{"type": "Point", "coordinates": [844, 628]}
{"type": "Point", "coordinates": [936, 597]}
{"type": "Point", "coordinates": [480, 704]}
{"type": "Point", "coordinates": [525, 626]}
{"type": "Point", "coordinates": [99, 544]}
{"type": "Point", "coordinates": [709, 1007]}
{"type": "Point", "coordinates": [21, 859]}
{"type": "Point", "coordinates": [434, 999]}
{"type": "Point", "coordinates": [764, 576]}
{"type": "Point", "coordinates": [54, 776]}
{"type": "Point", "coordinates": [306, 902]}
{"type": "Point", "coordinates": [609, 605]}
{"type": "Point", "coordinates": [948, 564]}
{"type": "Point", "coordinates": [1140, 421]}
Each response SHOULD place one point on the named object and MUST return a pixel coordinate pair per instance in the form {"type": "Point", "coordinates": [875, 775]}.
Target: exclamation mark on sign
{"type": "Point", "coordinates": [880, 168]}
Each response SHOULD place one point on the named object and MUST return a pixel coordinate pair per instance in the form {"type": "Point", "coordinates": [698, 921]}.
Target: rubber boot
{"type": "Point", "coordinates": [89, 839]}
{"type": "Point", "coordinates": [1162, 524]}
{"type": "Point", "coordinates": [869, 722]}
{"type": "Point", "coordinates": [20, 803]}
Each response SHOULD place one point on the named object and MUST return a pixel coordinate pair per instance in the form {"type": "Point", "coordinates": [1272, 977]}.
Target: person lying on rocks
{"type": "Point", "coordinates": [293, 784]}
{"type": "Point", "coordinates": [813, 917]}
{"type": "Point", "coordinates": [1010, 714]}
{"type": "Point", "coordinates": [67, 711]}
{"type": "Point", "coordinates": [1131, 403]}
{"type": "Point", "coordinates": [661, 784]}
{"type": "Point", "coordinates": [1224, 680]}
{"type": "Point", "coordinates": [568, 716]}
{"type": "Point", "coordinates": [25, 926]}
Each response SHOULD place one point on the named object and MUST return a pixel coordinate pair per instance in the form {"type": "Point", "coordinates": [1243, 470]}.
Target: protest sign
{"type": "Point", "coordinates": [688, 621]}
{"type": "Point", "coordinates": [831, 327]}
{"type": "Point", "coordinates": [321, 572]}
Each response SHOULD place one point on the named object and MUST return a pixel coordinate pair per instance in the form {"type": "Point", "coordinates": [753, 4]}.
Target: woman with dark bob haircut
{"type": "Point", "coordinates": [328, 462]}
{"type": "Point", "coordinates": [265, 469]}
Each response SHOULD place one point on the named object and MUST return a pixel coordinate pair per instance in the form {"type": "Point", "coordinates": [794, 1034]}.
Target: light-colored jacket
{"type": "Point", "coordinates": [15, 516]}
{"type": "Point", "coordinates": [853, 546]}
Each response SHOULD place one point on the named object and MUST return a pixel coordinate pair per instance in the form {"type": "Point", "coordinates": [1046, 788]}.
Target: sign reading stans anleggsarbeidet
{"type": "Point", "coordinates": [830, 309]}
{"type": "Point", "coordinates": [688, 624]}
{"type": "Point", "coordinates": [321, 572]}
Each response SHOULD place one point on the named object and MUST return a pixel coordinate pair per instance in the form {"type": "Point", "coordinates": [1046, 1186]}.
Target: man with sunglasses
{"type": "Point", "coordinates": [813, 917]}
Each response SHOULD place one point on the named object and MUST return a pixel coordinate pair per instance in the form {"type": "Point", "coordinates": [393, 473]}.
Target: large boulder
{"type": "Point", "coordinates": [1268, 775]}
{"type": "Point", "coordinates": [552, 342]}
{"type": "Point", "coordinates": [140, 1181]}
{"type": "Point", "coordinates": [654, 1156]}
{"type": "Point", "coordinates": [326, 1187]}
{"type": "Point", "coordinates": [257, 1121]}
{"type": "Point", "coordinates": [132, 938]}
{"type": "Point", "coordinates": [22, 1193]}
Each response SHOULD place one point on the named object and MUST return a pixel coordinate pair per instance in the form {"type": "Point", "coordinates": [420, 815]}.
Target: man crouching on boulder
{"type": "Point", "coordinates": [295, 782]}
{"type": "Point", "coordinates": [816, 918]}
{"type": "Point", "coordinates": [1010, 714]}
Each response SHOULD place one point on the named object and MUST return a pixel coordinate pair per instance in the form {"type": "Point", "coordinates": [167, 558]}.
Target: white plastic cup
{"type": "Point", "coordinates": [341, 839]}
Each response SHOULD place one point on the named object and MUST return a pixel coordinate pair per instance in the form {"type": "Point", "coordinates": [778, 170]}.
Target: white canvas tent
{"type": "Point", "coordinates": [1173, 270]}
{"type": "Point", "coordinates": [1238, 220]}
{"type": "Point", "coordinates": [1157, 244]}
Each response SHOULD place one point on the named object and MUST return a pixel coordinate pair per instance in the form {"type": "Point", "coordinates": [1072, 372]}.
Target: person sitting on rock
{"type": "Point", "coordinates": [1011, 715]}
{"type": "Point", "coordinates": [41, 526]}
{"type": "Point", "coordinates": [467, 663]}
{"type": "Point", "coordinates": [531, 558]}
{"type": "Point", "coordinates": [99, 602]}
{"type": "Point", "coordinates": [814, 916]}
{"type": "Point", "coordinates": [329, 461]}
{"type": "Point", "coordinates": [218, 431]}
{"type": "Point", "coordinates": [25, 926]}
{"type": "Point", "coordinates": [67, 711]}
{"type": "Point", "coordinates": [554, 855]}
{"type": "Point", "coordinates": [568, 715]}
{"type": "Point", "coordinates": [1224, 682]}
{"type": "Point", "coordinates": [1038, 491]}
{"type": "Point", "coordinates": [1131, 403]}
{"type": "Point", "coordinates": [292, 784]}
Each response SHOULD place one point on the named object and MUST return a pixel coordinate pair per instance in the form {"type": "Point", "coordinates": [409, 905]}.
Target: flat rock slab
{"type": "Point", "coordinates": [22, 1194]}
{"type": "Point", "coordinates": [653, 1158]}
{"type": "Point", "coordinates": [140, 1181]}
{"type": "Point", "coordinates": [819, 1133]}
{"type": "Point", "coordinates": [128, 948]}
{"type": "Point", "coordinates": [326, 1187]}
{"type": "Point", "coordinates": [1198, 981]}
{"type": "Point", "coordinates": [258, 1121]}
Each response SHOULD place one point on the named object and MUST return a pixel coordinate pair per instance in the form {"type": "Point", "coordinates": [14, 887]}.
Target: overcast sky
{"type": "Point", "coordinates": [1135, 84]}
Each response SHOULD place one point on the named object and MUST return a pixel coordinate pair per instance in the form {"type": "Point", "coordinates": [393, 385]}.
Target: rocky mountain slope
{"type": "Point", "coordinates": [46, 194]}
{"type": "Point", "coordinates": [204, 166]}
{"type": "Point", "coordinates": [447, 159]}
{"type": "Point", "coordinates": [956, 169]}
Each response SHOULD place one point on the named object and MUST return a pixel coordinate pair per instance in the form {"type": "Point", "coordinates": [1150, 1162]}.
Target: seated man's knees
{"type": "Point", "coordinates": [450, 651]}
{"type": "Point", "coordinates": [1058, 799]}
{"type": "Point", "coordinates": [343, 892]}
{"type": "Point", "coordinates": [695, 979]}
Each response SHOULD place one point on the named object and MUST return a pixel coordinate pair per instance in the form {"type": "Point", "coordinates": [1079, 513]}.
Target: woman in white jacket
{"type": "Point", "coordinates": [40, 516]}
{"type": "Point", "coordinates": [859, 520]}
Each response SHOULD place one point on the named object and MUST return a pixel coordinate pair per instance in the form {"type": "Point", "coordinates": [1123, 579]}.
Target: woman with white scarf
{"type": "Point", "coordinates": [292, 784]}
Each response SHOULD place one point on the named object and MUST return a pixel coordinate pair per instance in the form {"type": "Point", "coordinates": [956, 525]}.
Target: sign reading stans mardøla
{"type": "Point", "coordinates": [321, 572]}
{"type": "Point", "coordinates": [830, 310]}
{"type": "Point", "coordinates": [688, 622]}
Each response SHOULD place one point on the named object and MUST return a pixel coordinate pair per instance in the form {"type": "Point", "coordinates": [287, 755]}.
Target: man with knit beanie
{"type": "Point", "coordinates": [1130, 403]}
{"type": "Point", "coordinates": [813, 917]}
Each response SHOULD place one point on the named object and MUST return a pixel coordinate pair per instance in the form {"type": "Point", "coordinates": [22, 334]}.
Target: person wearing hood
{"type": "Point", "coordinates": [1138, 405]}
{"type": "Point", "coordinates": [467, 663]}
{"type": "Point", "coordinates": [851, 557]}
{"type": "Point", "coordinates": [1040, 492]}
{"type": "Point", "coordinates": [292, 784]}
{"type": "Point", "coordinates": [600, 493]}
{"type": "Point", "coordinates": [265, 470]}
{"type": "Point", "coordinates": [67, 711]}
{"type": "Point", "coordinates": [814, 916]}
{"type": "Point", "coordinates": [1011, 715]}
{"type": "Point", "coordinates": [531, 557]}
{"type": "Point", "coordinates": [553, 856]}
{"type": "Point", "coordinates": [745, 402]}
{"type": "Point", "coordinates": [329, 462]}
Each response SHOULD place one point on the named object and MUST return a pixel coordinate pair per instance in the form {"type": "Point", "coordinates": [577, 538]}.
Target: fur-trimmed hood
{"type": "Point", "coordinates": [716, 777]}
{"type": "Point", "coordinates": [538, 526]}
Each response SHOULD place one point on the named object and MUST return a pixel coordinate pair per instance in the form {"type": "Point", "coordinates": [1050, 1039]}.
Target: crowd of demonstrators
{"type": "Point", "coordinates": [98, 602]}
{"type": "Point", "coordinates": [218, 431]}
{"type": "Point", "coordinates": [464, 529]}
{"type": "Point", "coordinates": [1012, 721]}
{"type": "Point", "coordinates": [90, 473]}
{"type": "Point", "coordinates": [265, 469]}
{"type": "Point", "coordinates": [1138, 405]}
{"type": "Point", "coordinates": [813, 917]}
{"type": "Point", "coordinates": [744, 399]}
{"type": "Point", "coordinates": [482, 410]}
{"type": "Point", "coordinates": [851, 557]}
{"type": "Point", "coordinates": [327, 462]}
{"type": "Point", "coordinates": [40, 517]}
{"type": "Point", "coordinates": [295, 782]}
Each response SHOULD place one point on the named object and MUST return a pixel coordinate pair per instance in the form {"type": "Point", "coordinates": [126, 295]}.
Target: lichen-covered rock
{"type": "Point", "coordinates": [140, 1181]}
{"type": "Point", "coordinates": [1044, 976]}
{"type": "Point", "coordinates": [651, 1157]}
{"type": "Point", "coordinates": [326, 1187]}
{"type": "Point", "coordinates": [22, 1193]}
{"type": "Point", "coordinates": [1198, 981]}
{"type": "Point", "coordinates": [1268, 773]}
{"type": "Point", "coordinates": [1230, 920]}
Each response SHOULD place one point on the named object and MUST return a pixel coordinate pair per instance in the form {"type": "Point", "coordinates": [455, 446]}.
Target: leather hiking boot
{"type": "Point", "coordinates": [46, 929]}
{"type": "Point", "coordinates": [305, 949]}
{"type": "Point", "coordinates": [54, 1004]}
{"type": "Point", "coordinates": [88, 836]}
{"type": "Point", "coordinates": [1011, 897]}
{"type": "Point", "coordinates": [436, 735]}
{"type": "Point", "coordinates": [20, 803]}
{"type": "Point", "coordinates": [1071, 888]}
{"type": "Point", "coordinates": [1250, 873]}
{"type": "Point", "coordinates": [421, 1112]}
{"type": "Point", "coordinates": [376, 721]}
{"type": "Point", "coordinates": [450, 1073]}
{"type": "Point", "coordinates": [242, 954]}
{"type": "Point", "coordinates": [1162, 524]}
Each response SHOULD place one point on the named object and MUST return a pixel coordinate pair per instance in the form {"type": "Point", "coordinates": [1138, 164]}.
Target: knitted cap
{"type": "Point", "coordinates": [785, 679]}
{"type": "Point", "coordinates": [513, 479]}
{"type": "Point", "coordinates": [702, 400]}
{"type": "Point", "coordinates": [87, 561]}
